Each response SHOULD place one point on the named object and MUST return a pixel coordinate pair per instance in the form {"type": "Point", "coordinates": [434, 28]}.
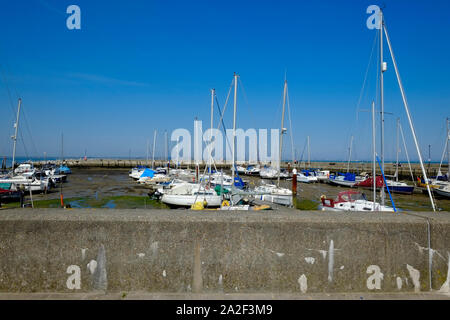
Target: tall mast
{"type": "Point", "coordinates": [309, 155]}
{"type": "Point", "coordinates": [398, 150]}
{"type": "Point", "coordinates": [405, 103]}
{"type": "Point", "coordinates": [448, 149]}
{"type": "Point", "coordinates": [16, 126]}
{"type": "Point", "coordinates": [281, 131]}
{"type": "Point", "coordinates": [62, 148]}
{"type": "Point", "coordinates": [406, 152]}
{"type": "Point", "coordinates": [147, 150]}
{"type": "Point", "coordinates": [234, 125]}
{"type": "Point", "coordinates": [374, 172]}
{"type": "Point", "coordinates": [213, 91]}
{"type": "Point", "coordinates": [349, 153]}
{"type": "Point", "coordinates": [153, 152]}
{"type": "Point", "coordinates": [166, 154]}
{"type": "Point", "coordinates": [382, 69]}
{"type": "Point", "coordinates": [178, 141]}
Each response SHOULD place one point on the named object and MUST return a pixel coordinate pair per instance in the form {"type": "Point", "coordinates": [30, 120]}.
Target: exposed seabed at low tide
{"type": "Point", "coordinates": [114, 189]}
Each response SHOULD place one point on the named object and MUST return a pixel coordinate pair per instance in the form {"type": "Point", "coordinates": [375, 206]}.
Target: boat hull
{"type": "Point", "coordinates": [186, 201]}
{"type": "Point", "coordinates": [400, 189]}
{"type": "Point", "coordinates": [442, 193]}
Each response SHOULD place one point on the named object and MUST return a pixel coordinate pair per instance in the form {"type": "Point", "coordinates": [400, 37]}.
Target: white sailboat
{"type": "Point", "coordinates": [354, 200]}
{"type": "Point", "coordinates": [190, 194]}
{"type": "Point", "coordinates": [187, 194]}
{"type": "Point", "coordinates": [275, 193]}
{"type": "Point", "coordinates": [395, 185]}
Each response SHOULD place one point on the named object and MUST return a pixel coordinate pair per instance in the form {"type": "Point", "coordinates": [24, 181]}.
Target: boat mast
{"type": "Point", "coordinates": [62, 148]}
{"type": "Point", "coordinates": [406, 152]}
{"type": "Point", "coordinates": [309, 155]}
{"type": "Point", "coordinates": [398, 149]}
{"type": "Point", "coordinates": [213, 92]}
{"type": "Point", "coordinates": [374, 172]}
{"type": "Point", "coordinates": [281, 132]}
{"type": "Point", "coordinates": [153, 152]}
{"type": "Point", "coordinates": [234, 126]}
{"type": "Point", "coordinates": [448, 149]}
{"type": "Point", "coordinates": [382, 69]}
{"type": "Point", "coordinates": [405, 103]}
{"type": "Point", "coordinates": [349, 153]}
{"type": "Point", "coordinates": [166, 154]}
{"type": "Point", "coordinates": [147, 151]}
{"type": "Point", "coordinates": [16, 126]}
{"type": "Point", "coordinates": [178, 141]}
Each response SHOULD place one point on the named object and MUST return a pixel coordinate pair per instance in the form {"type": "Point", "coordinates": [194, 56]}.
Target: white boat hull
{"type": "Point", "coordinates": [176, 200]}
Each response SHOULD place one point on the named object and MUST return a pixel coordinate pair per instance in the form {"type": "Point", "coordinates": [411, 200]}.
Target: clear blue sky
{"type": "Point", "coordinates": [136, 66]}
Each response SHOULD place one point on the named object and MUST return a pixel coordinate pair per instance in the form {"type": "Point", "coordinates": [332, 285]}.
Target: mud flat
{"type": "Point", "coordinates": [113, 188]}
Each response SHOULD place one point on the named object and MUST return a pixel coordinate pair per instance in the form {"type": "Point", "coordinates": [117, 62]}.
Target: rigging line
{"type": "Point", "coordinates": [304, 147]}
{"type": "Point", "coordinates": [11, 103]}
{"type": "Point", "coordinates": [223, 124]}
{"type": "Point", "coordinates": [51, 8]}
{"type": "Point", "coordinates": [222, 113]}
{"type": "Point", "coordinates": [365, 77]}
{"type": "Point", "coordinates": [375, 41]}
{"type": "Point", "coordinates": [23, 144]}
{"type": "Point", "coordinates": [291, 135]}
{"type": "Point", "coordinates": [246, 100]}
{"type": "Point", "coordinates": [29, 131]}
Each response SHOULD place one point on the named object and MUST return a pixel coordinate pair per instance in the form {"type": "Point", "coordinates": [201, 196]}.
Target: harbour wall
{"type": "Point", "coordinates": [183, 251]}
{"type": "Point", "coordinates": [404, 171]}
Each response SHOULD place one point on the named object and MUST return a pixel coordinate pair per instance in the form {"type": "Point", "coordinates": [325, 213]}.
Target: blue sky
{"type": "Point", "coordinates": [137, 66]}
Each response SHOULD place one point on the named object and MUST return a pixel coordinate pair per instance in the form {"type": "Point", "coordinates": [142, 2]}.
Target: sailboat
{"type": "Point", "coordinates": [275, 193]}
{"type": "Point", "coordinates": [440, 181]}
{"type": "Point", "coordinates": [395, 185]}
{"type": "Point", "coordinates": [188, 194]}
{"type": "Point", "coordinates": [23, 177]}
{"type": "Point", "coordinates": [354, 200]}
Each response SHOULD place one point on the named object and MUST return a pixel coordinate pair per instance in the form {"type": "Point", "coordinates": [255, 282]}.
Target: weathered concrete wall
{"type": "Point", "coordinates": [188, 251]}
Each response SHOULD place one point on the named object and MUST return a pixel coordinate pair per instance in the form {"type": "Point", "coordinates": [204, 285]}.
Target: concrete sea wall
{"type": "Point", "coordinates": [84, 250]}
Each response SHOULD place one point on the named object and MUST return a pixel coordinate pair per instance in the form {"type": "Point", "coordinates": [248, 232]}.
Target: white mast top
{"type": "Point", "coordinates": [153, 152]}
{"type": "Point", "coordinates": [16, 126]}
{"type": "Point", "coordinates": [448, 149]}
{"type": "Point", "coordinates": [210, 136]}
{"type": "Point", "coordinates": [382, 69]}
{"type": "Point", "coordinates": [234, 126]}
{"type": "Point", "coordinates": [281, 132]}
{"type": "Point", "coordinates": [398, 150]}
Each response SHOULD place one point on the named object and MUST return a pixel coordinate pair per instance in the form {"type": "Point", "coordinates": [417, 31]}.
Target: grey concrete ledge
{"type": "Point", "coordinates": [174, 253]}
{"type": "Point", "coordinates": [230, 297]}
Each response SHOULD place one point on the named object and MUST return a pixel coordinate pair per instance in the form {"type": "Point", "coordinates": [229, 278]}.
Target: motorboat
{"type": "Point", "coordinates": [63, 169]}
{"type": "Point", "coordinates": [35, 182]}
{"type": "Point", "coordinates": [252, 170]}
{"type": "Point", "coordinates": [24, 168]}
{"type": "Point", "coordinates": [53, 173]}
{"type": "Point", "coordinates": [274, 194]}
{"type": "Point", "coordinates": [136, 172]}
{"type": "Point", "coordinates": [345, 179]}
{"type": "Point", "coordinates": [268, 173]}
{"type": "Point", "coordinates": [351, 201]}
{"type": "Point", "coordinates": [241, 169]}
{"type": "Point", "coordinates": [306, 176]}
{"type": "Point", "coordinates": [443, 191]}
{"type": "Point", "coordinates": [321, 175]}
